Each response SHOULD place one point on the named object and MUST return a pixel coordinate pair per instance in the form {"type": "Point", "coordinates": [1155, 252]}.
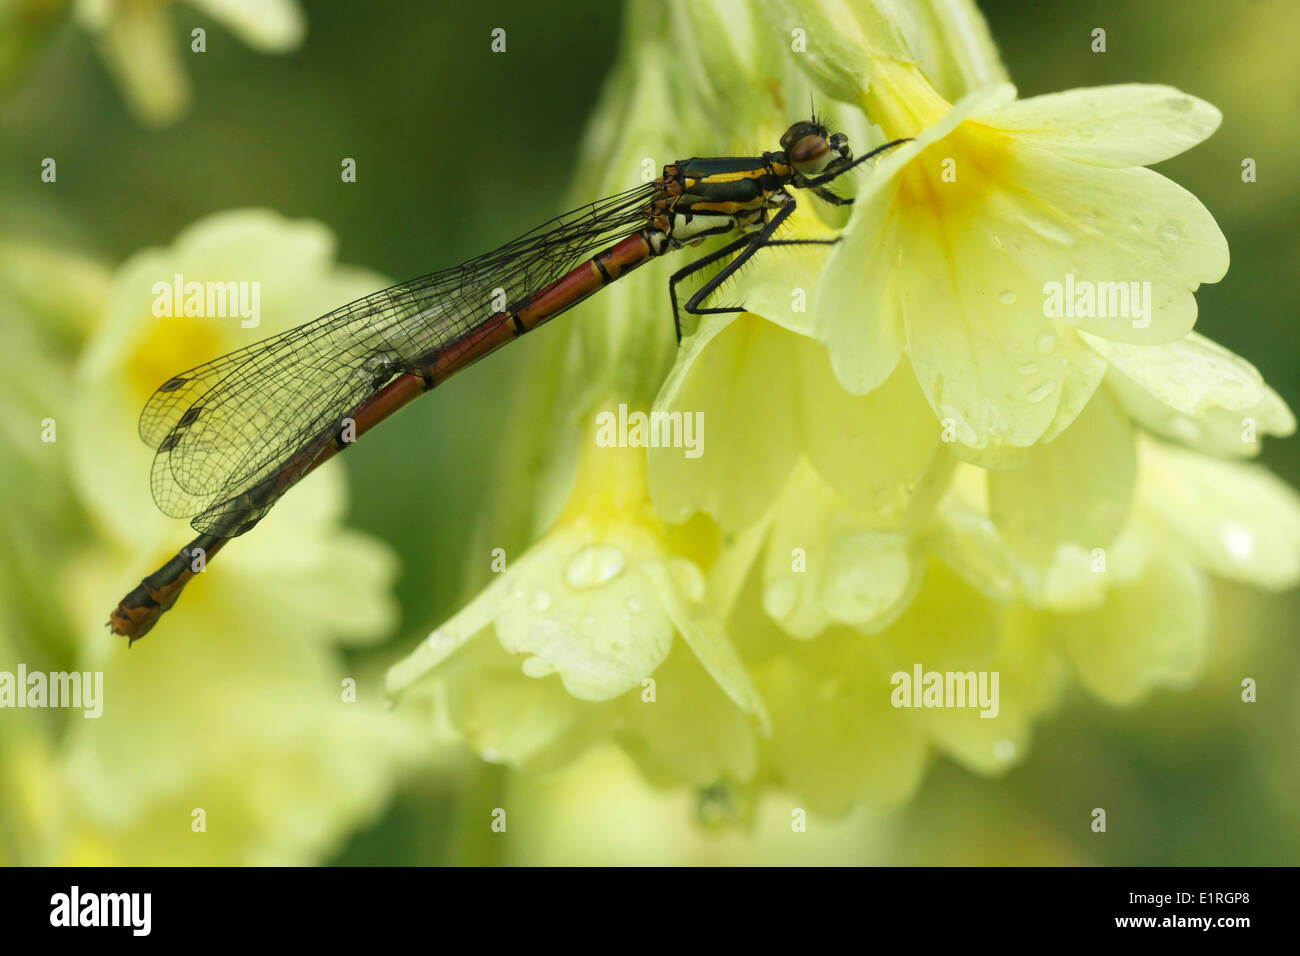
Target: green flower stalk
{"type": "Point", "coordinates": [939, 442]}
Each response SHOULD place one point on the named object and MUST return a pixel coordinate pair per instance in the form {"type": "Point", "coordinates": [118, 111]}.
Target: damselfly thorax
{"type": "Point", "coordinates": [705, 197]}
{"type": "Point", "coordinates": [234, 434]}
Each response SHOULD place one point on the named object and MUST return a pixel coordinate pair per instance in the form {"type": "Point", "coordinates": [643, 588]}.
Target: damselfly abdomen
{"type": "Point", "coordinates": [234, 434]}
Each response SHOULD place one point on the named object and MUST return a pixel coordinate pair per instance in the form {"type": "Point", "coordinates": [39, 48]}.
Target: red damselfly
{"type": "Point", "coordinates": [234, 434]}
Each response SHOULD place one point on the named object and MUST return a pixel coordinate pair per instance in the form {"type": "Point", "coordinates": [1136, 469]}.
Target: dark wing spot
{"type": "Point", "coordinates": [172, 384]}
{"type": "Point", "coordinates": [190, 415]}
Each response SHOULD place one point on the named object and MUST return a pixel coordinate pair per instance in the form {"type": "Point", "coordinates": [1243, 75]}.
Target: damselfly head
{"type": "Point", "coordinates": [810, 148]}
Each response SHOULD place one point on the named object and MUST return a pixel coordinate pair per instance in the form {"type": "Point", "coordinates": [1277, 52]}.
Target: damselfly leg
{"type": "Point", "coordinates": [748, 245]}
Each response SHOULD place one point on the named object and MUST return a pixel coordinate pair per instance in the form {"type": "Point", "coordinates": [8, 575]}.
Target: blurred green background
{"type": "Point", "coordinates": [459, 149]}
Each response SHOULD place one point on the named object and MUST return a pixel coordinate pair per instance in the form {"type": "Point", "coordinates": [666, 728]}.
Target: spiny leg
{"type": "Point", "coordinates": [692, 267]}
{"type": "Point", "coordinates": [830, 197]}
{"type": "Point", "coordinates": [751, 244]}
{"type": "Point", "coordinates": [747, 247]}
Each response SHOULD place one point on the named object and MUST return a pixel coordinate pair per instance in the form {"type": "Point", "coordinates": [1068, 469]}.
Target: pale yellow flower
{"type": "Point", "coordinates": [235, 735]}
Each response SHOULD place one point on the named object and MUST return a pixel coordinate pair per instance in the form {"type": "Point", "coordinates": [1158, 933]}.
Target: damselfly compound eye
{"type": "Point", "coordinates": [810, 154]}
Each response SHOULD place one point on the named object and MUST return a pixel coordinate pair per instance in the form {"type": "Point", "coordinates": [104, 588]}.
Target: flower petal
{"type": "Point", "coordinates": [1130, 124]}
{"type": "Point", "coordinates": [690, 729]}
{"type": "Point", "coordinates": [1075, 489]}
{"type": "Point", "coordinates": [953, 628]}
{"type": "Point", "coordinates": [826, 563]}
{"type": "Point", "coordinates": [587, 608]}
{"type": "Point", "coordinates": [725, 375]}
{"type": "Point", "coordinates": [874, 450]}
{"type": "Point", "coordinates": [438, 646]}
{"type": "Point", "coordinates": [509, 718]}
{"type": "Point", "coordinates": [274, 26]}
{"type": "Point", "coordinates": [836, 739]}
{"type": "Point", "coordinates": [1151, 633]}
{"type": "Point", "coordinates": [855, 309]}
{"type": "Point", "coordinates": [706, 637]}
{"type": "Point", "coordinates": [1196, 392]}
{"type": "Point", "coordinates": [1236, 519]}
{"type": "Point", "coordinates": [1116, 252]}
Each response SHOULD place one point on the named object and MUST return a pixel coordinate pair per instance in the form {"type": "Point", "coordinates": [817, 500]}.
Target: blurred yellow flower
{"type": "Point", "coordinates": [137, 39]}
{"type": "Point", "coordinates": [238, 735]}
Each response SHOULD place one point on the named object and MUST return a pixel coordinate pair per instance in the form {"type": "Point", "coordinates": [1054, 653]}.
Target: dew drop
{"type": "Point", "coordinates": [1045, 343]}
{"type": "Point", "coordinates": [779, 596]}
{"type": "Point", "coordinates": [537, 667]}
{"type": "Point", "coordinates": [1041, 392]}
{"type": "Point", "coordinates": [1170, 232]}
{"type": "Point", "coordinates": [594, 565]}
{"type": "Point", "coordinates": [1184, 429]}
{"type": "Point", "coordinates": [541, 601]}
{"type": "Point", "coordinates": [1029, 368]}
{"type": "Point", "coordinates": [1007, 297]}
{"type": "Point", "coordinates": [1241, 543]}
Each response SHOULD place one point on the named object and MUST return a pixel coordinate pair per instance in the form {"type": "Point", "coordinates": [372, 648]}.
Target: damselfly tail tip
{"type": "Point", "coordinates": [136, 614]}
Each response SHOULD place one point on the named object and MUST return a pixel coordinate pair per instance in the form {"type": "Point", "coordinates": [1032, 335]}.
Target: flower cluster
{"type": "Point", "coordinates": [977, 435]}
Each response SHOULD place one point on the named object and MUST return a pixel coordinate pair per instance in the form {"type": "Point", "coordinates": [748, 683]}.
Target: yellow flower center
{"type": "Point", "coordinates": [951, 177]}
{"type": "Point", "coordinates": [610, 491]}
{"type": "Point", "coordinates": [171, 344]}
{"type": "Point", "coordinates": [610, 488]}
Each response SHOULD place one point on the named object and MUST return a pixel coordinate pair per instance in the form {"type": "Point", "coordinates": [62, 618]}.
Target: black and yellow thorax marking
{"type": "Point", "coordinates": [715, 195]}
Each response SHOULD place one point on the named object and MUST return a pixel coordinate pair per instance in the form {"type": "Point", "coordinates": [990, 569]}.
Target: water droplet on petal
{"type": "Point", "coordinates": [1045, 343]}
{"type": "Point", "coordinates": [541, 601]}
{"type": "Point", "coordinates": [1007, 297]}
{"type": "Point", "coordinates": [779, 596]}
{"type": "Point", "coordinates": [1240, 541]}
{"type": "Point", "coordinates": [1184, 429]}
{"type": "Point", "coordinates": [1029, 368]}
{"type": "Point", "coordinates": [1041, 392]}
{"type": "Point", "coordinates": [537, 667]}
{"type": "Point", "coordinates": [1170, 232]}
{"type": "Point", "coordinates": [594, 565]}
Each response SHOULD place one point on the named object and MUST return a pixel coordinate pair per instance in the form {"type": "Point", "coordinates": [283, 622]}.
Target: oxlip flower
{"type": "Point", "coordinates": [237, 734]}
{"type": "Point", "coordinates": [599, 599]}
